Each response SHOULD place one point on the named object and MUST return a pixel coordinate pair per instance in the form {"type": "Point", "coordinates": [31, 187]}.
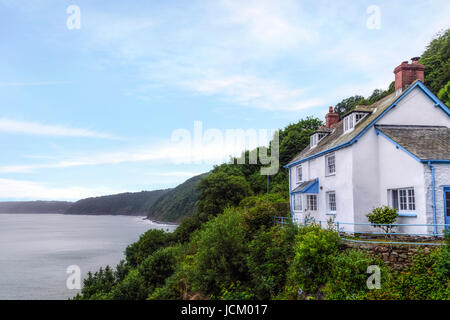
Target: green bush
{"type": "Point", "coordinates": [148, 243]}
{"type": "Point", "coordinates": [236, 291]}
{"type": "Point", "coordinates": [97, 286]}
{"type": "Point", "coordinates": [173, 289]}
{"type": "Point", "coordinates": [270, 254]}
{"type": "Point", "coordinates": [159, 266]}
{"type": "Point", "coordinates": [220, 190]}
{"type": "Point", "coordinates": [348, 275]}
{"type": "Point", "coordinates": [314, 250]}
{"type": "Point", "coordinates": [220, 254]}
{"type": "Point", "coordinates": [383, 215]}
{"type": "Point", "coordinates": [131, 288]}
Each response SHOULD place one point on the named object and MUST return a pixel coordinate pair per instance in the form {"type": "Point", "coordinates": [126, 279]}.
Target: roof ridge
{"type": "Point", "coordinates": [405, 126]}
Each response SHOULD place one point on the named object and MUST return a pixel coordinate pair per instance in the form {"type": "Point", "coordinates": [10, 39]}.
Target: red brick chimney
{"type": "Point", "coordinates": [407, 73]}
{"type": "Point", "coordinates": [331, 118]}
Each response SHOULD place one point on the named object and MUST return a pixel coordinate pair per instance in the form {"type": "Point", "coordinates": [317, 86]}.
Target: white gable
{"type": "Point", "coordinates": [416, 108]}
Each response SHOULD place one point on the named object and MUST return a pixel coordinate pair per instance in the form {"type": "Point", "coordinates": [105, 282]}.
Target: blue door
{"type": "Point", "coordinates": [447, 206]}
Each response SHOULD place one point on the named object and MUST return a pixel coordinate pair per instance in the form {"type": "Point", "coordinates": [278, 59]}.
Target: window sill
{"type": "Point", "coordinates": [407, 214]}
{"type": "Point", "coordinates": [331, 213]}
{"type": "Point", "coordinates": [330, 174]}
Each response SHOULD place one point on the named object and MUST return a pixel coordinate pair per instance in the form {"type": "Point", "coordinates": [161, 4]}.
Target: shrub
{"type": "Point", "coordinates": [148, 243]}
{"type": "Point", "coordinates": [131, 288]}
{"type": "Point", "coordinates": [270, 254]}
{"type": "Point", "coordinates": [383, 215]}
{"type": "Point", "coordinates": [348, 276]}
{"type": "Point", "coordinates": [314, 251]}
{"type": "Point", "coordinates": [220, 190]}
{"type": "Point", "coordinates": [220, 253]}
{"type": "Point", "coordinates": [174, 288]}
{"type": "Point", "coordinates": [98, 285]}
{"type": "Point", "coordinates": [159, 266]}
{"type": "Point", "coordinates": [236, 291]}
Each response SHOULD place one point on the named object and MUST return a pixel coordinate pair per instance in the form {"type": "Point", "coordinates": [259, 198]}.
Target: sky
{"type": "Point", "coordinates": [95, 95]}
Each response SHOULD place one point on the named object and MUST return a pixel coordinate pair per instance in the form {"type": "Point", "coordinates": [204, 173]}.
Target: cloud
{"type": "Point", "coordinates": [280, 24]}
{"type": "Point", "coordinates": [214, 147]}
{"type": "Point", "coordinates": [33, 128]}
{"type": "Point", "coordinates": [252, 91]}
{"type": "Point", "coordinates": [22, 189]}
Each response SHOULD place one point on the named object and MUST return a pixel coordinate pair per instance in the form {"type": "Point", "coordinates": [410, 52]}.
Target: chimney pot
{"type": "Point", "coordinates": [406, 73]}
{"type": "Point", "coordinates": [332, 118]}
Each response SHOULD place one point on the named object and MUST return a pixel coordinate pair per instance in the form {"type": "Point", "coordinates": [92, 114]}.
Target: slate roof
{"type": "Point", "coordinates": [337, 137]}
{"type": "Point", "coordinates": [425, 142]}
{"type": "Point", "coordinates": [303, 185]}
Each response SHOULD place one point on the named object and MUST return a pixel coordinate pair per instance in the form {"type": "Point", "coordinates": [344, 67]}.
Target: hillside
{"type": "Point", "coordinates": [129, 203]}
{"type": "Point", "coordinates": [34, 206]}
{"type": "Point", "coordinates": [178, 202]}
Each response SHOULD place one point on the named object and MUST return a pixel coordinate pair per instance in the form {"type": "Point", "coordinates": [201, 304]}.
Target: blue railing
{"type": "Point", "coordinates": [343, 234]}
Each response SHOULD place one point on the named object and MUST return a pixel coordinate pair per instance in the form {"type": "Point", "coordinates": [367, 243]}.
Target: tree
{"type": "Point", "coordinates": [270, 254]}
{"type": "Point", "coordinates": [383, 217]}
{"type": "Point", "coordinates": [436, 60]}
{"type": "Point", "coordinates": [349, 104]}
{"type": "Point", "coordinates": [148, 243]}
{"type": "Point", "coordinates": [220, 190]}
{"type": "Point", "coordinates": [97, 285]}
{"type": "Point", "coordinates": [444, 94]}
{"type": "Point", "coordinates": [220, 254]}
{"type": "Point", "coordinates": [156, 268]}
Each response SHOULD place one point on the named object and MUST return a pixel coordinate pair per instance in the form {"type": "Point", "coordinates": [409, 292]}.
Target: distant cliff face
{"type": "Point", "coordinates": [178, 202]}
{"type": "Point", "coordinates": [34, 206]}
{"type": "Point", "coordinates": [170, 205]}
{"type": "Point", "coordinates": [129, 203]}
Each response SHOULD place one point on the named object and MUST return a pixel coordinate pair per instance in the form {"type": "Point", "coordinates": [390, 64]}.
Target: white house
{"type": "Point", "coordinates": [395, 152]}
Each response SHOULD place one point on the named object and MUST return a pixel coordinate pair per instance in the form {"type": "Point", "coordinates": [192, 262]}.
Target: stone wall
{"type": "Point", "coordinates": [395, 256]}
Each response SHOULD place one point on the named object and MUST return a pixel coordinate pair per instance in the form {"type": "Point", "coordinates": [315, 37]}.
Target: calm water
{"type": "Point", "coordinates": [36, 249]}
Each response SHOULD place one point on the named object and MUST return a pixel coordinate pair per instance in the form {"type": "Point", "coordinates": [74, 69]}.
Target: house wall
{"type": "Point", "coordinates": [397, 169]}
{"type": "Point", "coordinates": [368, 168]}
{"type": "Point", "coordinates": [416, 109]}
{"type": "Point", "coordinates": [339, 182]}
{"type": "Point", "coordinates": [442, 178]}
{"type": "Point", "coordinates": [365, 177]}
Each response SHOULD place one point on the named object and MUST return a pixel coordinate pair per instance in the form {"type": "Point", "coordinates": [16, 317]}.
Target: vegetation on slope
{"type": "Point", "coordinates": [34, 206]}
{"type": "Point", "coordinates": [130, 203]}
{"type": "Point", "coordinates": [178, 203]}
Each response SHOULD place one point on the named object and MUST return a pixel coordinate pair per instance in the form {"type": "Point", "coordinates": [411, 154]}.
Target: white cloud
{"type": "Point", "coordinates": [215, 147]}
{"type": "Point", "coordinates": [21, 189]}
{"type": "Point", "coordinates": [33, 128]}
{"type": "Point", "coordinates": [280, 24]}
{"type": "Point", "coordinates": [252, 91]}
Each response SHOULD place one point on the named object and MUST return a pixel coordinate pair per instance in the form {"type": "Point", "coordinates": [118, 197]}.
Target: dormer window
{"type": "Point", "coordinates": [316, 137]}
{"type": "Point", "coordinates": [352, 119]}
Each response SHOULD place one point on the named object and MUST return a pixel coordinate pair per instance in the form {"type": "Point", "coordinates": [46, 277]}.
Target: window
{"type": "Point", "coordinates": [352, 119]}
{"type": "Point", "coordinates": [312, 202]}
{"type": "Point", "coordinates": [298, 202]}
{"type": "Point", "coordinates": [316, 137]}
{"type": "Point", "coordinates": [403, 199]}
{"type": "Point", "coordinates": [331, 200]}
{"type": "Point", "coordinates": [313, 140]}
{"type": "Point", "coordinates": [299, 174]}
{"type": "Point", "coordinates": [330, 163]}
